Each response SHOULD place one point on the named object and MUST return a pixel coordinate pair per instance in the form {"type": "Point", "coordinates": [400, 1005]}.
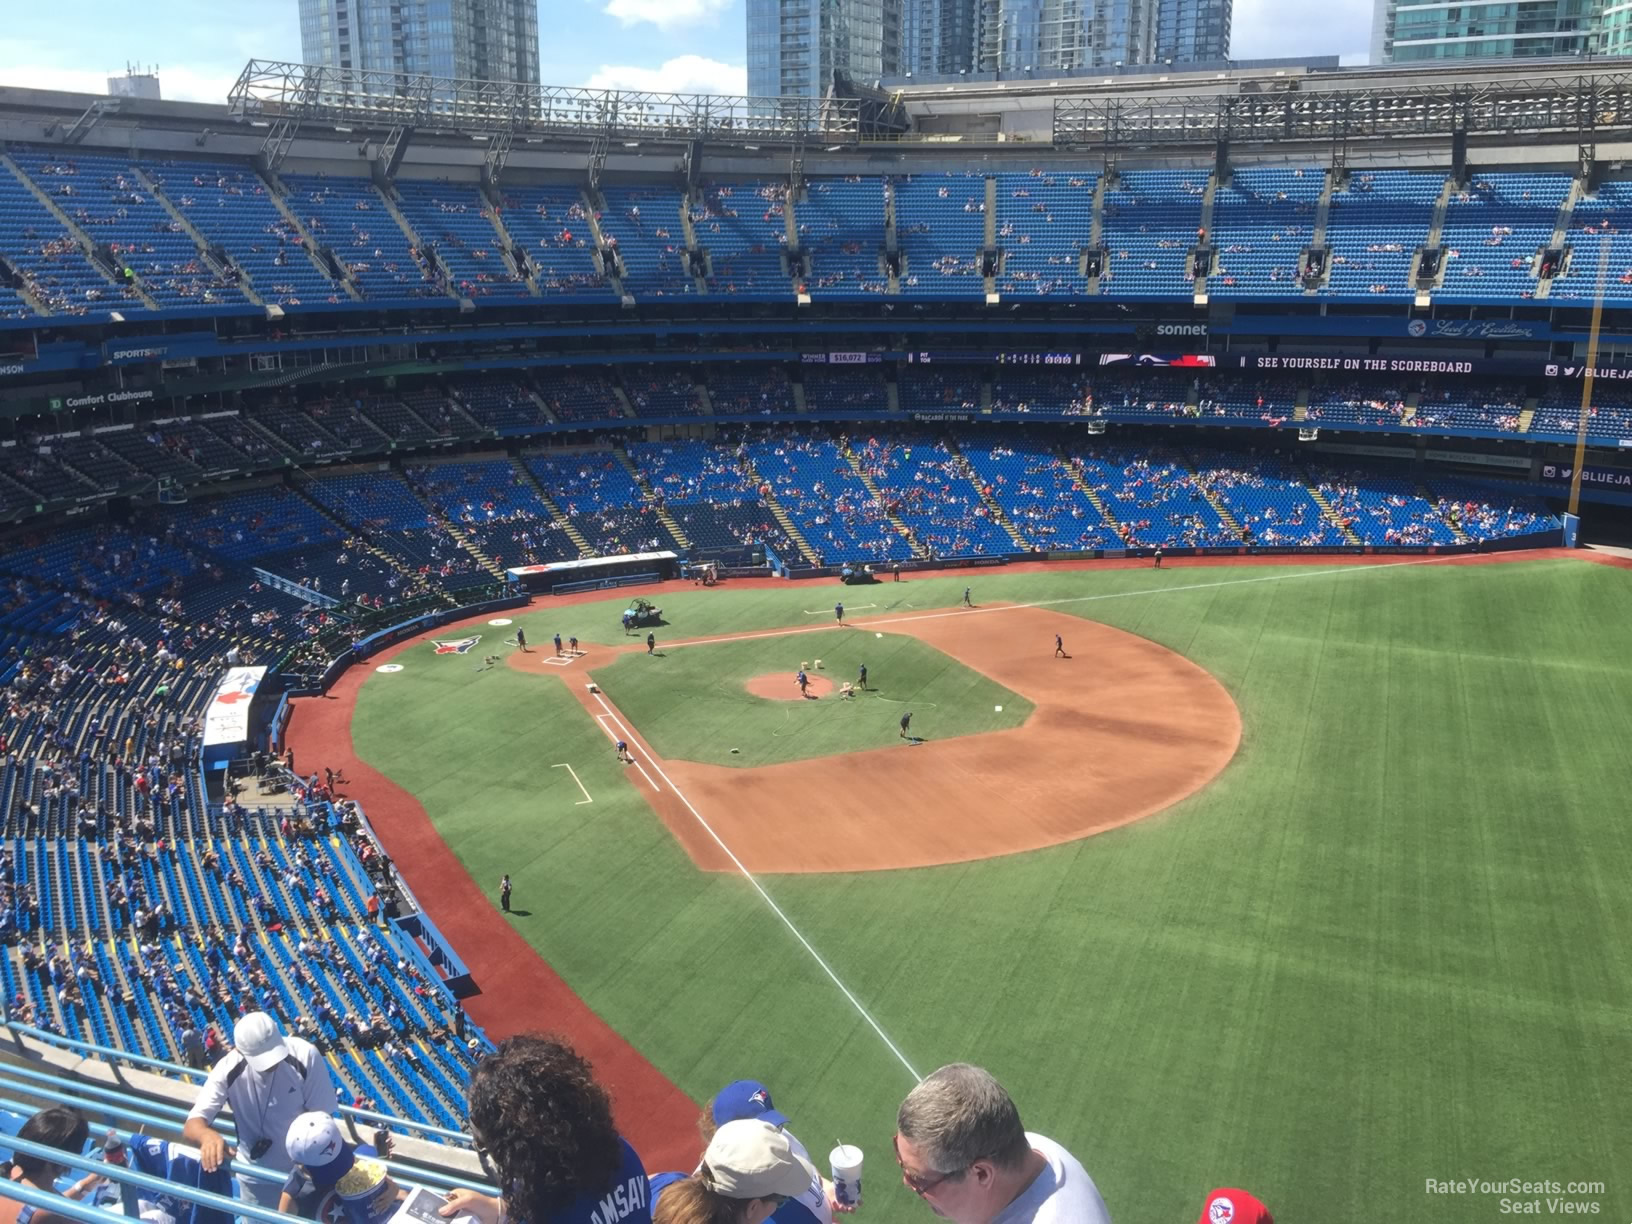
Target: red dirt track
{"type": "Point", "coordinates": [519, 991]}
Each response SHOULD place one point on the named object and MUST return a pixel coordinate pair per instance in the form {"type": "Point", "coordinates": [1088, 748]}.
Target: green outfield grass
{"type": "Point", "coordinates": [1392, 943]}
{"type": "Point", "coordinates": [691, 703]}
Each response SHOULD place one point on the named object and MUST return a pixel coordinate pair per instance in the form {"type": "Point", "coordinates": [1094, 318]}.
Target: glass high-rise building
{"type": "Point", "coordinates": [1193, 31]}
{"type": "Point", "coordinates": [797, 47]}
{"type": "Point", "coordinates": [482, 40]}
{"type": "Point", "coordinates": [1412, 31]}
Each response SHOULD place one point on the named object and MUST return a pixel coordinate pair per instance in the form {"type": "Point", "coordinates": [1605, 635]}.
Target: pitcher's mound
{"type": "Point", "coordinates": [780, 686]}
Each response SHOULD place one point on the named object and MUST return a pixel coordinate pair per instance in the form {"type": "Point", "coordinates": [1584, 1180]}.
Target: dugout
{"type": "Point", "coordinates": [595, 573]}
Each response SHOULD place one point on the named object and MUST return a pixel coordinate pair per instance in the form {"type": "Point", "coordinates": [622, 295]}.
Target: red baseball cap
{"type": "Point", "coordinates": [1227, 1206]}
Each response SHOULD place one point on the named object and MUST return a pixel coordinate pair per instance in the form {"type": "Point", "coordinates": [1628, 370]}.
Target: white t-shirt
{"type": "Point", "coordinates": [263, 1104]}
{"type": "Point", "coordinates": [1062, 1193]}
{"type": "Point", "coordinates": [814, 1199]}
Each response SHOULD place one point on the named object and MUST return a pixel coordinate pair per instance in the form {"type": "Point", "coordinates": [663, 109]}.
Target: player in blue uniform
{"type": "Point", "coordinates": [861, 681]}
{"type": "Point", "coordinates": [838, 612]}
{"type": "Point", "coordinates": [558, 643]}
{"type": "Point", "coordinates": [803, 681]}
{"type": "Point", "coordinates": [906, 721]}
{"type": "Point", "coordinates": [967, 602]}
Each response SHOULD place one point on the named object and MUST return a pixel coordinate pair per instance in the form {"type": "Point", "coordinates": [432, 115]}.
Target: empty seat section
{"type": "Point", "coordinates": [644, 224]}
{"type": "Point", "coordinates": [1263, 219]}
{"type": "Point", "coordinates": [1151, 221]}
{"type": "Point", "coordinates": [940, 227]}
{"type": "Point", "coordinates": [1044, 220]}
{"type": "Point", "coordinates": [743, 228]}
{"type": "Point", "coordinates": [841, 227]}
{"type": "Point", "coordinates": [454, 220]}
{"type": "Point", "coordinates": [1377, 222]}
{"type": "Point", "coordinates": [551, 224]}
{"type": "Point", "coordinates": [348, 216]}
{"type": "Point", "coordinates": [1494, 231]}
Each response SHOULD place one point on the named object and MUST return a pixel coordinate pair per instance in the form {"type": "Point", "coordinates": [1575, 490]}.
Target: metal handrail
{"type": "Point", "coordinates": [452, 1137]}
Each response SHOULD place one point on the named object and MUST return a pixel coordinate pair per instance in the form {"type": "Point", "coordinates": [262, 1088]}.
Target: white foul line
{"type": "Point", "coordinates": [1070, 599]}
{"type": "Point", "coordinates": [601, 718]}
{"type": "Point", "coordinates": [775, 908]}
{"type": "Point", "coordinates": [852, 608]}
{"type": "Point", "coordinates": [574, 773]}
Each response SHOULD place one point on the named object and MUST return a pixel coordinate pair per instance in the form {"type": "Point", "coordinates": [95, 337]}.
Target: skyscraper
{"type": "Point", "coordinates": [483, 40]}
{"type": "Point", "coordinates": [938, 36]}
{"type": "Point", "coordinates": [1193, 31]}
{"type": "Point", "coordinates": [1410, 31]}
{"type": "Point", "coordinates": [796, 47]}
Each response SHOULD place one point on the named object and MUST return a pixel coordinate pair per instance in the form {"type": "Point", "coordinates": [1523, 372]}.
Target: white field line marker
{"type": "Point", "coordinates": [613, 736]}
{"type": "Point", "coordinates": [1345, 571]}
{"type": "Point", "coordinates": [775, 908]}
{"type": "Point", "coordinates": [575, 778]}
{"type": "Point", "coordinates": [848, 608]}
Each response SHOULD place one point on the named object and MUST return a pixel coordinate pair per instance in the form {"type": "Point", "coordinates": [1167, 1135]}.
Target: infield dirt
{"type": "Point", "coordinates": [1123, 728]}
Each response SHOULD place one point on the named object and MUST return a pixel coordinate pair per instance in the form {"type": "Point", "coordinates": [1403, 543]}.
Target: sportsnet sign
{"type": "Point", "coordinates": [227, 719]}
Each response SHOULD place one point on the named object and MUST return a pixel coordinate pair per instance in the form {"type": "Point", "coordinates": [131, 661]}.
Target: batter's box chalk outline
{"type": "Point", "coordinates": [559, 661]}
{"type": "Point", "coordinates": [587, 797]}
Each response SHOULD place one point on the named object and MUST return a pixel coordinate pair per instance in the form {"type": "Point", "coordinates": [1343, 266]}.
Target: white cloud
{"type": "Point", "coordinates": [180, 84]}
{"type": "Point", "coordinates": [683, 74]}
{"type": "Point", "coordinates": [1263, 29]}
{"type": "Point", "coordinates": [666, 14]}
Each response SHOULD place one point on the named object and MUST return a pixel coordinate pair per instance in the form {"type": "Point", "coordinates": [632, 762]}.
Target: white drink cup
{"type": "Point", "coordinates": [845, 1163]}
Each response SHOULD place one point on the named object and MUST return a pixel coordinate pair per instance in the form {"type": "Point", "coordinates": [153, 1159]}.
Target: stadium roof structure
{"type": "Point", "coordinates": [277, 90]}
{"type": "Point", "coordinates": [1587, 105]}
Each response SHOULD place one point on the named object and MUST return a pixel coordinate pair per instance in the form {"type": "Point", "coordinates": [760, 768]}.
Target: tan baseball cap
{"type": "Point", "coordinates": [751, 1159]}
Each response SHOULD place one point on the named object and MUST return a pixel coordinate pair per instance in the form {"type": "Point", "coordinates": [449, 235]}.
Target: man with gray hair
{"type": "Point", "coordinates": [962, 1150]}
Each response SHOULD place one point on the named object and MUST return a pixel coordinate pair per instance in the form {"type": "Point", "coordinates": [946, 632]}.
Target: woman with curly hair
{"type": "Point", "coordinates": [543, 1131]}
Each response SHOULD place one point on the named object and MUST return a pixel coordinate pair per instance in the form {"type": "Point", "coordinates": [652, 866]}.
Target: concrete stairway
{"type": "Point", "coordinates": [1330, 511]}
{"type": "Point", "coordinates": [276, 193]}
{"type": "Point", "coordinates": [1454, 524]}
{"type": "Point", "coordinates": [905, 532]}
{"type": "Point", "coordinates": [379, 554]}
{"type": "Point", "coordinates": [80, 237]}
{"type": "Point", "coordinates": [783, 519]}
{"type": "Point", "coordinates": [566, 524]}
{"type": "Point", "coordinates": [652, 499]}
{"type": "Point", "coordinates": [204, 245]}
{"type": "Point", "coordinates": [1080, 479]}
{"type": "Point", "coordinates": [995, 511]}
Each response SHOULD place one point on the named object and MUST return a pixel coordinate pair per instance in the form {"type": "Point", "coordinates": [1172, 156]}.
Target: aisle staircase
{"type": "Point", "coordinates": [783, 519]}
{"type": "Point", "coordinates": [1080, 479]}
{"type": "Point", "coordinates": [565, 523]}
{"type": "Point", "coordinates": [355, 532]}
{"type": "Point", "coordinates": [1454, 524]}
{"type": "Point", "coordinates": [458, 533]}
{"type": "Point", "coordinates": [1213, 499]}
{"type": "Point", "coordinates": [1330, 511]}
{"type": "Point", "coordinates": [86, 244]}
{"type": "Point", "coordinates": [993, 509]}
{"type": "Point", "coordinates": [867, 482]}
{"type": "Point", "coordinates": [656, 503]}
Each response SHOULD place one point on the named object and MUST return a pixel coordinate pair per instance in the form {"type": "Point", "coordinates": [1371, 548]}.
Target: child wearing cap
{"type": "Point", "coordinates": [749, 1170]}
{"type": "Point", "coordinates": [330, 1173]}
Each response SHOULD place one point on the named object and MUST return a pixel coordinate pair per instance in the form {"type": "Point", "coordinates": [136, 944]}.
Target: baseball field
{"type": "Point", "coordinates": [1311, 879]}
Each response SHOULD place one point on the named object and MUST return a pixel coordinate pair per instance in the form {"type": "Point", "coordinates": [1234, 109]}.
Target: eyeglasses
{"type": "Point", "coordinates": [917, 1183]}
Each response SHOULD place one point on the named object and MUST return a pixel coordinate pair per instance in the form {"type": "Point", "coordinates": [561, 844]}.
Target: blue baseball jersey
{"type": "Point", "coordinates": [626, 1201]}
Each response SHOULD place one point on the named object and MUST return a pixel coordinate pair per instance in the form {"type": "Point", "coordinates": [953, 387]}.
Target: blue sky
{"type": "Point", "coordinates": [683, 45]}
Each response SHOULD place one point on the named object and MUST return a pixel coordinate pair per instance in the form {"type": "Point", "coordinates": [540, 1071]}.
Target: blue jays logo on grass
{"type": "Point", "coordinates": [457, 645]}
